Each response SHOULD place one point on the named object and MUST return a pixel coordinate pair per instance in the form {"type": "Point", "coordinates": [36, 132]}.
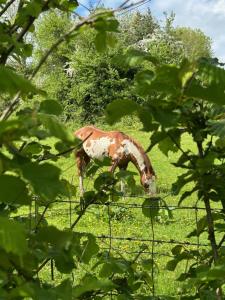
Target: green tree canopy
{"type": "Point", "coordinates": [196, 44]}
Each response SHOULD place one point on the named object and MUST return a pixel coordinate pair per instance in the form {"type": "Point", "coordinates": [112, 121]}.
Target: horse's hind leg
{"type": "Point", "coordinates": [82, 160]}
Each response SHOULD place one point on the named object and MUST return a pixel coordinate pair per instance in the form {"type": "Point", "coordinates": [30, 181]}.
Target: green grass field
{"type": "Point", "coordinates": [130, 222]}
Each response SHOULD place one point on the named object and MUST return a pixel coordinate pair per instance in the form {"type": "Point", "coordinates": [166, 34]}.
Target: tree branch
{"type": "Point", "coordinates": [210, 224]}
{"type": "Point", "coordinates": [8, 4]}
{"type": "Point", "coordinates": [21, 35]}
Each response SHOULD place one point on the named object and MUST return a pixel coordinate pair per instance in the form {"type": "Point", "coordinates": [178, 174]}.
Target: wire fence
{"type": "Point", "coordinates": [112, 225]}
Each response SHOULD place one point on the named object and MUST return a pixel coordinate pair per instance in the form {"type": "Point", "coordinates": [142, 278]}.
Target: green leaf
{"type": "Point", "coordinates": [92, 170]}
{"type": "Point", "coordinates": [202, 224]}
{"type": "Point", "coordinates": [187, 194]}
{"type": "Point", "coordinates": [64, 290]}
{"type": "Point", "coordinates": [11, 130]}
{"type": "Point", "coordinates": [182, 180]}
{"type": "Point", "coordinates": [166, 81]}
{"type": "Point", "coordinates": [166, 117]}
{"type": "Point", "coordinates": [64, 5]}
{"type": "Point", "coordinates": [111, 40]}
{"type": "Point", "coordinates": [12, 237]}
{"type": "Point", "coordinates": [106, 22]}
{"type": "Point", "coordinates": [32, 148]}
{"type": "Point", "coordinates": [143, 82]}
{"type": "Point", "coordinates": [209, 85]}
{"type": "Point", "coordinates": [60, 239]}
{"type": "Point", "coordinates": [33, 9]}
{"type": "Point", "coordinates": [220, 227]}
{"type": "Point", "coordinates": [12, 83]}
{"type": "Point", "coordinates": [134, 57]}
{"type": "Point", "coordinates": [91, 283]}
{"type": "Point", "coordinates": [155, 138]}
{"type": "Point", "coordinates": [51, 107]}
{"type": "Point", "coordinates": [100, 41]}
{"type": "Point", "coordinates": [186, 72]}
{"type": "Point", "coordinates": [167, 145]}
{"type": "Point", "coordinates": [216, 272]}
{"type": "Point", "coordinates": [171, 265]}
{"type": "Point", "coordinates": [104, 181]}
{"type": "Point", "coordinates": [64, 262]}
{"type": "Point", "coordinates": [146, 119]}
{"type": "Point", "coordinates": [34, 291]}
{"type": "Point", "coordinates": [44, 179]}
{"type": "Point", "coordinates": [124, 174]}
{"type": "Point", "coordinates": [217, 127]}
{"type": "Point", "coordinates": [177, 249]}
{"type": "Point", "coordinates": [120, 108]}
{"type": "Point", "coordinates": [113, 266]}
{"type": "Point", "coordinates": [150, 207]}
{"type": "Point", "coordinates": [61, 243]}
{"type": "Point", "coordinates": [13, 190]}
{"type": "Point", "coordinates": [89, 248]}
{"type": "Point", "coordinates": [147, 264]}
{"type": "Point", "coordinates": [56, 128]}
{"type": "Point", "coordinates": [184, 255]}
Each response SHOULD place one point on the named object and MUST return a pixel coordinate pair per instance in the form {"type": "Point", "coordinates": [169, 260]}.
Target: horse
{"type": "Point", "coordinates": [120, 148]}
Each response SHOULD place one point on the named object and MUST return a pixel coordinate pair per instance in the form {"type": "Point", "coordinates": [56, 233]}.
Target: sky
{"type": "Point", "coordinates": [207, 15]}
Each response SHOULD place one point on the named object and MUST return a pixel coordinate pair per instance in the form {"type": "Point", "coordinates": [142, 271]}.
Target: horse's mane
{"type": "Point", "coordinates": [145, 156]}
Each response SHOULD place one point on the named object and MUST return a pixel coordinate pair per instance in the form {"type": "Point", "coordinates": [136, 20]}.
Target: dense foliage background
{"type": "Point", "coordinates": [85, 80]}
{"type": "Point", "coordinates": [121, 64]}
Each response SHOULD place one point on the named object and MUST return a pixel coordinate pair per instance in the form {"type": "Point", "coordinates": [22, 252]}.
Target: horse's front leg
{"type": "Point", "coordinates": [113, 166]}
{"type": "Point", "coordinates": [122, 183]}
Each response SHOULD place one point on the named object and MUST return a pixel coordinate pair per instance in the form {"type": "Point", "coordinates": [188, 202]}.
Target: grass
{"type": "Point", "coordinates": [130, 222]}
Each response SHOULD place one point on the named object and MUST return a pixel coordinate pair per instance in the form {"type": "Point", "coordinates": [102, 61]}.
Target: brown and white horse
{"type": "Point", "coordinates": [120, 148]}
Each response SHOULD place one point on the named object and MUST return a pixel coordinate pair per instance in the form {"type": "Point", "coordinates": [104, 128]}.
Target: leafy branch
{"type": "Point", "coordinates": [75, 28]}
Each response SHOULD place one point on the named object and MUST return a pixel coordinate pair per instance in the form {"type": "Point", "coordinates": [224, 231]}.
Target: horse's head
{"type": "Point", "coordinates": [148, 181]}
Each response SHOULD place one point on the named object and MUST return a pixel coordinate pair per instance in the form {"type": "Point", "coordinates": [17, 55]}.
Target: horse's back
{"type": "Point", "coordinates": [98, 143]}
{"type": "Point", "coordinates": [96, 133]}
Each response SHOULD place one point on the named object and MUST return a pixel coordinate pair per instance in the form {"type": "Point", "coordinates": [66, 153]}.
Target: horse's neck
{"type": "Point", "coordinates": [140, 160]}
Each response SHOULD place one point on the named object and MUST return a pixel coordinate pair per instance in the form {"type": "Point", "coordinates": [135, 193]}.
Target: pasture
{"type": "Point", "coordinates": [126, 224]}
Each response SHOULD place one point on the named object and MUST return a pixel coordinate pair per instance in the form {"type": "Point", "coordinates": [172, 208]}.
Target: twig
{"type": "Point", "coordinates": [6, 7]}
{"type": "Point", "coordinates": [48, 156]}
{"type": "Point", "coordinates": [42, 216]}
{"type": "Point", "coordinates": [84, 6]}
{"type": "Point", "coordinates": [221, 242]}
{"type": "Point", "coordinates": [82, 213]}
{"type": "Point", "coordinates": [124, 3]}
{"type": "Point", "coordinates": [218, 247]}
{"type": "Point", "coordinates": [133, 6]}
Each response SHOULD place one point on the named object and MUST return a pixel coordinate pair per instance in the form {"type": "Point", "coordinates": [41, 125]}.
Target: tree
{"type": "Point", "coordinates": [196, 43]}
{"type": "Point", "coordinates": [53, 77]}
{"type": "Point", "coordinates": [81, 78]}
{"type": "Point", "coordinates": [172, 45]}
{"type": "Point", "coordinates": [137, 26]}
